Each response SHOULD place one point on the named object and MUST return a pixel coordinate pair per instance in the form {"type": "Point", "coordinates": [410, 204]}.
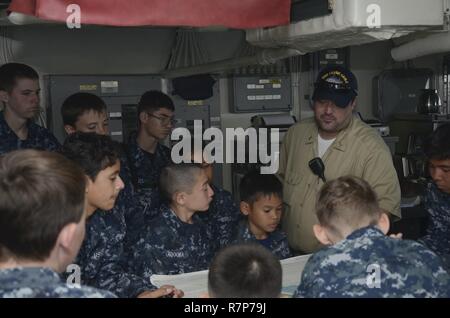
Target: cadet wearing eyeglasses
{"type": "Point", "coordinates": [147, 156]}
{"type": "Point", "coordinates": [346, 145]}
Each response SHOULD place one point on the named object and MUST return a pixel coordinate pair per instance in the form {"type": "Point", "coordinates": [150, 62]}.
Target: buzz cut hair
{"type": "Point", "coordinates": [177, 178]}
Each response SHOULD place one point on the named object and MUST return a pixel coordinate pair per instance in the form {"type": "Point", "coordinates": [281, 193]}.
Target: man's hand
{"type": "Point", "coordinates": [165, 290]}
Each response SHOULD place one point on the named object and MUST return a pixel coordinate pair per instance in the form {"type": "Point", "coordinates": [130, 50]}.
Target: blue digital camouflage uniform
{"type": "Point", "coordinates": [145, 208]}
{"type": "Point", "coordinates": [437, 237]}
{"type": "Point", "coordinates": [146, 167]}
{"type": "Point", "coordinates": [170, 246]}
{"type": "Point", "coordinates": [222, 217]}
{"type": "Point", "coordinates": [277, 241]}
{"type": "Point", "coordinates": [40, 282]}
{"type": "Point", "coordinates": [125, 175]}
{"type": "Point", "coordinates": [369, 264]}
{"type": "Point", "coordinates": [135, 203]}
{"type": "Point", "coordinates": [149, 201]}
{"type": "Point", "coordinates": [38, 138]}
{"type": "Point", "coordinates": [101, 257]}
{"type": "Point", "coordinates": [128, 198]}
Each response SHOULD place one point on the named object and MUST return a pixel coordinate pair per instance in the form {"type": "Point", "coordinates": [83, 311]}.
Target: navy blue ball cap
{"type": "Point", "coordinates": [336, 83]}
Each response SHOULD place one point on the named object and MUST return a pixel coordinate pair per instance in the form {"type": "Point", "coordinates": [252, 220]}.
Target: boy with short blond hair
{"type": "Point", "coordinates": [360, 260]}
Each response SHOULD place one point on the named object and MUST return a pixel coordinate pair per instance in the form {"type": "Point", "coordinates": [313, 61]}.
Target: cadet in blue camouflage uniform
{"type": "Point", "coordinates": [87, 113]}
{"type": "Point", "coordinates": [177, 241]}
{"type": "Point", "coordinates": [145, 153]}
{"type": "Point", "coordinates": [101, 256]}
{"type": "Point", "coordinates": [223, 215]}
{"type": "Point", "coordinates": [42, 224]}
{"type": "Point", "coordinates": [362, 261]}
{"type": "Point", "coordinates": [437, 196]}
{"type": "Point", "coordinates": [262, 203]}
{"type": "Point", "coordinates": [19, 93]}
{"type": "Point", "coordinates": [146, 158]}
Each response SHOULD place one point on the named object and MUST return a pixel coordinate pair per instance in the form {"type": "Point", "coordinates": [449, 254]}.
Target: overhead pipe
{"type": "Point", "coordinates": [264, 57]}
{"type": "Point", "coordinates": [437, 43]}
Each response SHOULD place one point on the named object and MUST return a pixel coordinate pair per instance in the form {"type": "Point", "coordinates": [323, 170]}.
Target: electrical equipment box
{"type": "Point", "coordinates": [260, 94]}
{"type": "Point", "coordinates": [331, 56]}
{"type": "Point", "coordinates": [398, 91]}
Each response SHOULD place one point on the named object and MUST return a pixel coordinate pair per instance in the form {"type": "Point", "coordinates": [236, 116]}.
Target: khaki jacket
{"type": "Point", "coordinates": [358, 150]}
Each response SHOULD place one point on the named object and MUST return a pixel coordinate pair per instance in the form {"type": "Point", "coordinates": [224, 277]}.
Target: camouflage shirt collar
{"type": "Point", "coordinates": [173, 220]}
{"type": "Point", "coordinates": [440, 194]}
{"type": "Point", "coordinates": [369, 231]}
{"type": "Point", "coordinates": [275, 236]}
{"type": "Point", "coordinates": [45, 275]}
{"type": "Point", "coordinates": [132, 143]}
{"type": "Point", "coordinates": [7, 131]}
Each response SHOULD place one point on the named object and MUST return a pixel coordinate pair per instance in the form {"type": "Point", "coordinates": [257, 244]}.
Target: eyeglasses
{"type": "Point", "coordinates": [164, 120]}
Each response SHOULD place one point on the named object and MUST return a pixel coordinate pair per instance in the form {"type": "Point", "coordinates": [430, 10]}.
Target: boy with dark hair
{"type": "Point", "coordinates": [176, 240]}
{"type": "Point", "coordinates": [262, 204]}
{"type": "Point", "coordinates": [146, 154]}
{"type": "Point", "coordinates": [19, 94]}
{"type": "Point", "coordinates": [361, 261]}
{"type": "Point", "coordinates": [42, 224]}
{"type": "Point", "coordinates": [84, 112]}
{"type": "Point", "coordinates": [244, 271]}
{"type": "Point", "coordinates": [437, 196]}
{"type": "Point", "coordinates": [101, 255]}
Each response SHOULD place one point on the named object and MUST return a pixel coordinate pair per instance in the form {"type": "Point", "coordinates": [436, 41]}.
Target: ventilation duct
{"type": "Point", "coordinates": [353, 22]}
{"type": "Point", "coordinates": [433, 44]}
{"type": "Point", "coordinates": [264, 57]}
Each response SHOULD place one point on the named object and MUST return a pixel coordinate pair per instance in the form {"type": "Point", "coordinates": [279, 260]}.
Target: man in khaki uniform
{"type": "Point", "coordinates": [346, 145]}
